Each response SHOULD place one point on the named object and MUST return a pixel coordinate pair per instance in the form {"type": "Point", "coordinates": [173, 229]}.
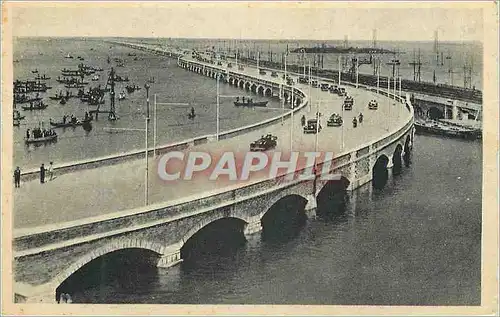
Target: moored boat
{"type": "Point", "coordinates": [434, 127]}
{"type": "Point", "coordinates": [250, 103]}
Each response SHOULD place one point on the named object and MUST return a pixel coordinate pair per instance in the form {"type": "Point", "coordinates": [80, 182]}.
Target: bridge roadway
{"type": "Point", "coordinates": [109, 189]}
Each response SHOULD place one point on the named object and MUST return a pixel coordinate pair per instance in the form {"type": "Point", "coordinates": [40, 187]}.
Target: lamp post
{"type": "Point", "coordinates": [147, 86]}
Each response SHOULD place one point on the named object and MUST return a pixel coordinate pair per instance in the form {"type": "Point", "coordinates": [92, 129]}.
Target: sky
{"type": "Point", "coordinates": [306, 20]}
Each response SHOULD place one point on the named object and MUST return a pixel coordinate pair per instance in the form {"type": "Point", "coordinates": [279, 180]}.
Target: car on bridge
{"type": "Point", "coordinates": [315, 84]}
{"type": "Point", "coordinates": [274, 74]}
{"type": "Point", "coordinates": [325, 86]}
{"type": "Point", "coordinates": [335, 120]}
{"type": "Point", "coordinates": [262, 72]}
{"type": "Point", "coordinates": [334, 89]}
{"type": "Point", "coordinates": [348, 103]}
{"type": "Point", "coordinates": [289, 81]}
{"type": "Point", "coordinates": [341, 91]}
{"type": "Point", "coordinates": [229, 65]}
{"type": "Point", "coordinates": [303, 80]}
{"type": "Point", "coordinates": [241, 68]}
{"type": "Point", "coordinates": [312, 126]}
{"type": "Point", "coordinates": [373, 105]}
{"type": "Point", "coordinates": [265, 143]}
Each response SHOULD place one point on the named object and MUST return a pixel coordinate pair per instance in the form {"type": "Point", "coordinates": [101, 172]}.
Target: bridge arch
{"type": "Point", "coordinates": [268, 92]}
{"type": "Point", "coordinates": [202, 224]}
{"type": "Point", "coordinates": [241, 83]}
{"type": "Point", "coordinates": [284, 215]}
{"type": "Point", "coordinates": [253, 88]}
{"type": "Point", "coordinates": [332, 197]}
{"type": "Point", "coordinates": [247, 85]}
{"type": "Point", "coordinates": [260, 90]}
{"type": "Point", "coordinates": [116, 245]}
{"type": "Point", "coordinates": [397, 163]}
{"type": "Point", "coordinates": [380, 173]}
{"type": "Point", "coordinates": [230, 226]}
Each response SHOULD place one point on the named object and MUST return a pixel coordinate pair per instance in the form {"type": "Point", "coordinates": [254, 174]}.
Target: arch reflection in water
{"type": "Point", "coordinates": [397, 164]}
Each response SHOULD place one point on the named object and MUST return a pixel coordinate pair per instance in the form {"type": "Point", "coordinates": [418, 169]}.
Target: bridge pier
{"type": "Point", "coordinates": [311, 206]}
{"type": "Point", "coordinates": [170, 259]}
{"type": "Point", "coordinates": [252, 227]}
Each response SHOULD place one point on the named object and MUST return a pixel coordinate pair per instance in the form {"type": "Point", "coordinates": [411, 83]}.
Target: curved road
{"type": "Point", "coordinates": [119, 187]}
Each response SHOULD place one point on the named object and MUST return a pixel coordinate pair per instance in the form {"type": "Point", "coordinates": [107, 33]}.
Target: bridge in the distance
{"type": "Point", "coordinates": [74, 231]}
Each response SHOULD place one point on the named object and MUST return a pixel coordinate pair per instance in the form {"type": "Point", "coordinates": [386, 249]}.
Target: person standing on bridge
{"type": "Point", "coordinates": [51, 171]}
{"type": "Point", "coordinates": [17, 177]}
{"type": "Point", "coordinates": [42, 174]}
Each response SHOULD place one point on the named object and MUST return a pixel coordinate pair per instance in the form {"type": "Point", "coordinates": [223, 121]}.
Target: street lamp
{"type": "Point", "coordinates": [147, 86]}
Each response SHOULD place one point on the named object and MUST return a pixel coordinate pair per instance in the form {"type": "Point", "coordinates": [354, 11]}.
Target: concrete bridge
{"type": "Point", "coordinates": [46, 256]}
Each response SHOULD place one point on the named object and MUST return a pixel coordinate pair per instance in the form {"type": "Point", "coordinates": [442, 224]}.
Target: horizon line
{"type": "Point", "coordinates": [241, 39]}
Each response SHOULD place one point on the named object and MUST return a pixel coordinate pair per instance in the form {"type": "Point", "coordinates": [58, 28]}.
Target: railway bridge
{"type": "Point", "coordinates": [46, 257]}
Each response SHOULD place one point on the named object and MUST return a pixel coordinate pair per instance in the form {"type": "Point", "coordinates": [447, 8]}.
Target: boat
{"type": "Point", "coordinates": [35, 71]}
{"type": "Point", "coordinates": [46, 139]}
{"type": "Point", "coordinates": [68, 56]}
{"type": "Point", "coordinates": [35, 106]}
{"type": "Point", "coordinates": [95, 77]}
{"type": "Point", "coordinates": [438, 128]}
{"type": "Point", "coordinates": [121, 96]}
{"type": "Point", "coordinates": [17, 122]}
{"type": "Point", "coordinates": [250, 103]}
{"type": "Point", "coordinates": [44, 77]}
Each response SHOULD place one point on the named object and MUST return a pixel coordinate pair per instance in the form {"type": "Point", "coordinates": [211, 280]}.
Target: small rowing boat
{"type": "Point", "coordinates": [251, 104]}
{"type": "Point", "coordinates": [46, 139]}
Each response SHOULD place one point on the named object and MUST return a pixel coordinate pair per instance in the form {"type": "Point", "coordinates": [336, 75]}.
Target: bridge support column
{"type": "Point", "coordinates": [251, 228]}
{"type": "Point", "coordinates": [311, 206]}
{"type": "Point", "coordinates": [170, 259]}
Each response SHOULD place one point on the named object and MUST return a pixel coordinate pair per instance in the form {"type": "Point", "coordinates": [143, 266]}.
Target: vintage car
{"type": "Point", "coordinates": [314, 83]}
{"type": "Point", "coordinates": [289, 81]}
{"type": "Point", "coordinates": [334, 121]}
{"type": "Point", "coordinates": [325, 86]}
{"type": "Point", "coordinates": [334, 89]}
{"type": "Point", "coordinates": [373, 105]}
{"type": "Point", "coordinates": [274, 74]}
{"type": "Point", "coordinates": [219, 63]}
{"type": "Point", "coordinates": [229, 65]}
{"type": "Point", "coordinates": [312, 126]}
{"type": "Point", "coordinates": [265, 143]}
{"type": "Point", "coordinates": [262, 72]}
{"type": "Point", "coordinates": [341, 91]}
{"type": "Point", "coordinates": [241, 67]}
{"type": "Point", "coordinates": [348, 103]}
{"type": "Point", "coordinates": [303, 80]}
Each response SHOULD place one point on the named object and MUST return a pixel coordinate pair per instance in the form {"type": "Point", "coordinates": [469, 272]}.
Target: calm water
{"type": "Point", "coordinates": [416, 242]}
{"type": "Point", "coordinates": [172, 85]}
{"type": "Point", "coordinates": [448, 70]}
